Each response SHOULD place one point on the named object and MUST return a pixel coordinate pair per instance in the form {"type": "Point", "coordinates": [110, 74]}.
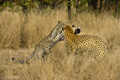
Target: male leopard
{"type": "Point", "coordinates": [81, 43]}
{"type": "Point", "coordinates": [45, 45]}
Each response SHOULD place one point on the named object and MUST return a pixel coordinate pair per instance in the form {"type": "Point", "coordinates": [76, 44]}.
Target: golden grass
{"type": "Point", "coordinates": [19, 32]}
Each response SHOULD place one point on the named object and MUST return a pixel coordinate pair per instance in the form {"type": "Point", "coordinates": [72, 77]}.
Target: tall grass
{"type": "Point", "coordinates": [18, 31]}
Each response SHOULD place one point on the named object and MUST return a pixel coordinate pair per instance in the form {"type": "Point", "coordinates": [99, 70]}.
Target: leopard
{"type": "Point", "coordinates": [83, 43]}
{"type": "Point", "coordinates": [46, 44]}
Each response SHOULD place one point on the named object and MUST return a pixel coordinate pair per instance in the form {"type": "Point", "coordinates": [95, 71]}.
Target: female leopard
{"type": "Point", "coordinates": [45, 45]}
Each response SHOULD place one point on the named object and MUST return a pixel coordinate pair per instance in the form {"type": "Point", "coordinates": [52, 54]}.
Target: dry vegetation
{"type": "Point", "coordinates": [19, 35]}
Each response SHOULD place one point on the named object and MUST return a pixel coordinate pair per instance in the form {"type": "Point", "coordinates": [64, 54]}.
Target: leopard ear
{"type": "Point", "coordinates": [73, 26]}
{"type": "Point", "coordinates": [59, 22]}
{"type": "Point", "coordinates": [77, 31]}
{"type": "Point", "coordinates": [62, 29]}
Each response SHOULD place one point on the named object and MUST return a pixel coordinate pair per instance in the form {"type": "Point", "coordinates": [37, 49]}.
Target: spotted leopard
{"type": "Point", "coordinates": [83, 43]}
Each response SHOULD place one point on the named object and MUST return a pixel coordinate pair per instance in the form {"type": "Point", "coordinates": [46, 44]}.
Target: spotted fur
{"type": "Point", "coordinates": [45, 45]}
{"type": "Point", "coordinates": [83, 43]}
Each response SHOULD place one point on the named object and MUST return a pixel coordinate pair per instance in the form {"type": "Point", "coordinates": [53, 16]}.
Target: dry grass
{"type": "Point", "coordinates": [17, 31]}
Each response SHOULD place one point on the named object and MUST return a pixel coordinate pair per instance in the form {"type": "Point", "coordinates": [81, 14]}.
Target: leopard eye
{"type": "Point", "coordinates": [73, 26]}
{"type": "Point", "coordinates": [66, 23]}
